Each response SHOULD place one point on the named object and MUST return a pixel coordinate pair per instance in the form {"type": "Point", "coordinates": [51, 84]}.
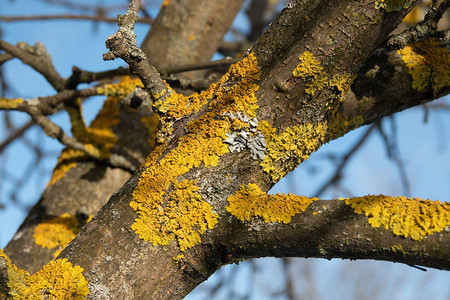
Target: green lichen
{"type": "Point", "coordinates": [173, 210]}
{"type": "Point", "coordinates": [406, 217]}
{"type": "Point", "coordinates": [250, 201]}
{"type": "Point", "coordinates": [58, 280]}
{"type": "Point", "coordinates": [392, 5]}
{"type": "Point", "coordinates": [428, 63]}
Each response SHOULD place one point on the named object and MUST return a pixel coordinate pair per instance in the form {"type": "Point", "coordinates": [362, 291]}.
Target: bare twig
{"type": "Point", "coordinates": [393, 152]}
{"type": "Point", "coordinates": [67, 17]}
{"type": "Point", "coordinates": [345, 159]}
{"type": "Point", "coordinates": [123, 44]}
{"type": "Point", "coordinates": [5, 57]}
{"type": "Point", "coordinates": [82, 76]}
{"type": "Point", "coordinates": [54, 131]}
{"type": "Point", "coordinates": [424, 29]}
{"type": "Point", "coordinates": [15, 135]}
{"type": "Point", "coordinates": [37, 58]}
{"type": "Point", "coordinates": [200, 66]}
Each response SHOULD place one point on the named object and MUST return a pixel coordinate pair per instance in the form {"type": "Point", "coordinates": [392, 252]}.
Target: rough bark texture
{"type": "Point", "coordinates": [119, 265]}
{"type": "Point", "coordinates": [189, 32]}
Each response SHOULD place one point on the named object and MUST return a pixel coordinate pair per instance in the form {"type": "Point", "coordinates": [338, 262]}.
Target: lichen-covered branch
{"type": "Point", "coordinates": [333, 229]}
{"type": "Point", "coordinates": [200, 200]}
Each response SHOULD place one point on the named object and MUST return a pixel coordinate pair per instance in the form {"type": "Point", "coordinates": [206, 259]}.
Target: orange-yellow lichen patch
{"type": "Point", "coordinates": [391, 5]}
{"type": "Point", "coordinates": [120, 89]}
{"type": "Point", "coordinates": [428, 63]}
{"type": "Point", "coordinates": [286, 150]}
{"type": "Point", "coordinates": [184, 218]}
{"type": "Point", "coordinates": [165, 3]}
{"type": "Point", "coordinates": [151, 123]}
{"type": "Point", "coordinates": [310, 70]}
{"type": "Point", "coordinates": [249, 202]}
{"type": "Point", "coordinates": [178, 257]}
{"type": "Point", "coordinates": [172, 210]}
{"type": "Point", "coordinates": [7, 104]}
{"type": "Point", "coordinates": [57, 232]}
{"type": "Point", "coordinates": [99, 134]}
{"type": "Point", "coordinates": [406, 217]}
{"type": "Point", "coordinates": [59, 279]}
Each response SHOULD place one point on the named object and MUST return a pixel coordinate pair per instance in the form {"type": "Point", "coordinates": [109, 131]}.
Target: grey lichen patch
{"type": "Point", "coordinates": [247, 137]}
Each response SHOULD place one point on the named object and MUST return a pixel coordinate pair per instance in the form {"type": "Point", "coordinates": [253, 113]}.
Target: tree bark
{"type": "Point", "coordinates": [118, 264]}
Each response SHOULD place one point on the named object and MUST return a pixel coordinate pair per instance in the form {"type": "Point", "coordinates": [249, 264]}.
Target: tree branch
{"type": "Point", "coordinates": [331, 229]}
{"type": "Point", "coordinates": [422, 30]}
{"type": "Point", "coordinates": [37, 58]}
{"type": "Point", "coordinates": [123, 44]}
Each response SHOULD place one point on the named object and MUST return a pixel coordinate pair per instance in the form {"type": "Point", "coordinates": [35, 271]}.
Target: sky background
{"type": "Point", "coordinates": [423, 147]}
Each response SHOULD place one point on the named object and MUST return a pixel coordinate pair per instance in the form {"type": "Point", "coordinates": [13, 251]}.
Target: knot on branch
{"type": "Point", "coordinates": [123, 44]}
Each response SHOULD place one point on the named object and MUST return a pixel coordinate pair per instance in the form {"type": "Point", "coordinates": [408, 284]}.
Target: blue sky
{"type": "Point", "coordinates": [424, 147]}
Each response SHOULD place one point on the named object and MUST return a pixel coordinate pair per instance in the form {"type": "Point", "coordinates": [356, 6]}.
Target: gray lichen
{"type": "Point", "coordinates": [248, 138]}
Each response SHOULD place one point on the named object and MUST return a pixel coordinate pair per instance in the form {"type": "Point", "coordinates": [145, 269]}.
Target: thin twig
{"type": "Point", "coordinates": [67, 17]}
{"type": "Point", "coordinates": [54, 131]}
{"type": "Point", "coordinates": [5, 57]}
{"type": "Point", "coordinates": [200, 66]}
{"type": "Point", "coordinates": [393, 153]}
{"type": "Point", "coordinates": [345, 159]}
{"type": "Point", "coordinates": [15, 135]}
{"type": "Point", "coordinates": [123, 44]}
{"type": "Point", "coordinates": [37, 58]}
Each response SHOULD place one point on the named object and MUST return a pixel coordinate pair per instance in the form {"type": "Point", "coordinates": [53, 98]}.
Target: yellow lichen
{"type": "Point", "coordinates": [99, 134]}
{"type": "Point", "coordinates": [406, 217]}
{"type": "Point", "coordinates": [285, 151]}
{"type": "Point", "coordinates": [7, 104]}
{"type": "Point", "coordinates": [120, 89]}
{"type": "Point", "coordinates": [178, 257]}
{"type": "Point", "coordinates": [169, 209]}
{"type": "Point", "coordinates": [58, 280]}
{"type": "Point", "coordinates": [391, 5]}
{"type": "Point", "coordinates": [57, 232]}
{"type": "Point", "coordinates": [428, 63]}
{"type": "Point", "coordinates": [312, 72]}
{"type": "Point", "coordinates": [398, 248]}
{"type": "Point", "coordinates": [250, 201]}
{"type": "Point", "coordinates": [151, 122]}
{"type": "Point", "coordinates": [184, 217]}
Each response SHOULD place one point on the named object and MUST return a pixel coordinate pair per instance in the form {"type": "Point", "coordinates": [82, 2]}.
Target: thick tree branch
{"type": "Point", "coordinates": [283, 103]}
{"type": "Point", "coordinates": [331, 229]}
